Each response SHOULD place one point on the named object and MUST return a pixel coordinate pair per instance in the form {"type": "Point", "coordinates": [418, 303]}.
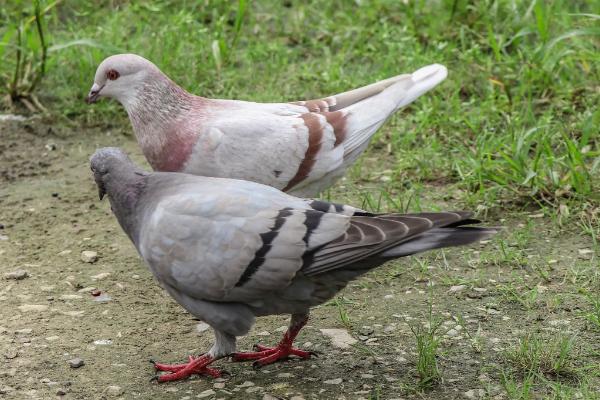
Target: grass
{"type": "Point", "coordinates": [428, 343]}
{"type": "Point", "coordinates": [544, 356]}
{"type": "Point", "coordinates": [514, 122]}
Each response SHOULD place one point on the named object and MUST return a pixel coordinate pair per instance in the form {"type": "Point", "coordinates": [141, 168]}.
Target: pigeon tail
{"type": "Point", "coordinates": [366, 116]}
{"type": "Point", "coordinates": [438, 238]}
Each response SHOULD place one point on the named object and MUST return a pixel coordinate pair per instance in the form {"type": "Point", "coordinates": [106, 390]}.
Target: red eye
{"type": "Point", "coordinates": [112, 74]}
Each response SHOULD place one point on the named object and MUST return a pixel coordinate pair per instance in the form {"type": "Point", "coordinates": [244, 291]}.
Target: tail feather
{"type": "Point", "coordinates": [366, 116]}
{"type": "Point", "coordinates": [438, 238]}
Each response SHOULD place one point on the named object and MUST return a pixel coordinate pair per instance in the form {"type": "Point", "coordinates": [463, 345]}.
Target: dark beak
{"type": "Point", "coordinates": [94, 94]}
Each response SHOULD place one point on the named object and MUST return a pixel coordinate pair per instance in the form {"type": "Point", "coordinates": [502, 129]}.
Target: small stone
{"type": "Point", "coordinates": [3, 237]}
{"type": "Point", "coordinates": [264, 333]}
{"type": "Point", "coordinates": [6, 389]}
{"type": "Point", "coordinates": [61, 392]}
{"type": "Point", "coordinates": [254, 389]}
{"type": "Point", "coordinates": [457, 288]}
{"type": "Point", "coordinates": [367, 376]}
{"type": "Point", "coordinates": [366, 330]}
{"type": "Point", "coordinates": [474, 394]}
{"type": "Point", "coordinates": [70, 297]}
{"type": "Point", "coordinates": [114, 390]}
{"type": "Point", "coordinates": [388, 296]}
{"type": "Point", "coordinates": [219, 385]}
{"type": "Point", "coordinates": [65, 252]}
{"type": "Point", "coordinates": [285, 375]}
{"type": "Point", "coordinates": [89, 257]}
{"type": "Point", "coordinates": [76, 363]}
{"type": "Point", "coordinates": [452, 333]}
{"type": "Point", "coordinates": [101, 276]}
{"type": "Point", "coordinates": [206, 393]}
{"type": "Point", "coordinates": [281, 329]}
{"type": "Point", "coordinates": [52, 338]}
{"type": "Point", "coordinates": [95, 292]}
{"type": "Point", "coordinates": [102, 298]}
{"type": "Point", "coordinates": [246, 384]}
{"type": "Point", "coordinates": [17, 275]}
{"type": "Point", "coordinates": [340, 338]}
{"type": "Point", "coordinates": [33, 307]}
{"type": "Point", "coordinates": [88, 289]}
{"type": "Point", "coordinates": [102, 342]}
{"type": "Point", "coordinates": [11, 354]}
{"type": "Point", "coordinates": [335, 381]}
{"type": "Point", "coordinates": [202, 327]}
{"type": "Point", "coordinates": [268, 396]}
{"type": "Point", "coordinates": [135, 276]}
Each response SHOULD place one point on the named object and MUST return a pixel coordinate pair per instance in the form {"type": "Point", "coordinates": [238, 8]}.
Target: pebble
{"type": "Point", "coordinates": [246, 384]}
{"type": "Point", "coordinates": [340, 338]}
{"type": "Point", "coordinates": [65, 252]}
{"type": "Point", "coordinates": [61, 392]}
{"type": "Point", "coordinates": [102, 298]}
{"type": "Point", "coordinates": [17, 275]}
{"type": "Point", "coordinates": [11, 354]}
{"type": "Point", "coordinates": [52, 338]}
{"type": "Point", "coordinates": [114, 390]}
{"type": "Point", "coordinates": [264, 333]}
{"type": "Point", "coordinates": [6, 389]}
{"type": "Point", "coordinates": [33, 307]}
{"type": "Point", "coordinates": [76, 363]}
{"type": "Point", "coordinates": [206, 393]}
{"type": "Point", "coordinates": [366, 330]}
{"type": "Point", "coordinates": [457, 288]}
{"type": "Point", "coordinates": [101, 276]}
{"type": "Point", "coordinates": [268, 396]}
{"type": "Point", "coordinates": [102, 342]}
{"type": "Point", "coordinates": [388, 296]}
{"type": "Point", "coordinates": [452, 332]}
{"type": "Point", "coordinates": [3, 237]}
{"type": "Point", "coordinates": [87, 289]}
{"type": "Point", "coordinates": [89, 256]}
{"type": "Point", "coordinates": [281, 329]}
{"type": "Point", "coordinates": [70, 297]}
{"type": "Point", "coordinates": [474, 394]}
{"type": "Point", "coordinates": [285, 375]}
{"type": "Point", "coordinates": [335, 381]}
{"type": "Point", "coordinates": [219, 385]}
{"type": "Point", "coordinates": [202, 327]}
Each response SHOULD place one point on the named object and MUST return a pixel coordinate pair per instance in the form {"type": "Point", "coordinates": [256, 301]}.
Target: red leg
{"type": "Point", "coordinates": [268, 355]}
{"type": "Point", "coordinates": [197, 365]}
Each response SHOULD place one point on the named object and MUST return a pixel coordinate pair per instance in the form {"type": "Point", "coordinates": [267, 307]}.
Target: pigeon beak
{"type": "Point", "coordinates": [94, 94]}
{"type": "Point", "coordinates": [101, 192]}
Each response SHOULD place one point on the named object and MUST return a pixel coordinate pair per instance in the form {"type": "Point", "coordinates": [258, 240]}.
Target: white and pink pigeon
{"type": "Point", "coordinates": [301, 147]}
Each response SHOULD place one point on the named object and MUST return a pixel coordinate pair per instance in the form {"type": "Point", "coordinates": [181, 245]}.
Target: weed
{"type": "Point", "coordinates": [427, 348]}
{"type": "Point", "coordinates": [546, 356]}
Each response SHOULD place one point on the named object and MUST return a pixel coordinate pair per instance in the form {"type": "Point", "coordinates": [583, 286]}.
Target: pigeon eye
{"type": "Point", "coordinates": [112, 74]}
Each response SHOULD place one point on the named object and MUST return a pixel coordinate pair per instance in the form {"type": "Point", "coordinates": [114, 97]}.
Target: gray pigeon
{"type": "Point", "coordinates": [229, 250]}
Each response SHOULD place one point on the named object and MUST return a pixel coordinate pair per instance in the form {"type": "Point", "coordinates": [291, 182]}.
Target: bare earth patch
{"type": "Point", "coordinates": [79, 325]}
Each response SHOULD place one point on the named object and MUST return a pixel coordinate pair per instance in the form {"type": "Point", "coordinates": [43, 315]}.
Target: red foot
{"type": "Point", "coordinates": [197, 365]}
{"type": "Point", "coordinates": [269, 355]}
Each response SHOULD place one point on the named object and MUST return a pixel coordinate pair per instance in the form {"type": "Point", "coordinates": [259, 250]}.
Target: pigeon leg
{"type": "Point", "coordinates": [197, 365]}
{"type": "Point", "coordinates": [268, 355]}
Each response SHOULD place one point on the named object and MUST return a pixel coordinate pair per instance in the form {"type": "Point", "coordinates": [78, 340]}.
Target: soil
{"type": "Point", "coordinates": [50, 213]}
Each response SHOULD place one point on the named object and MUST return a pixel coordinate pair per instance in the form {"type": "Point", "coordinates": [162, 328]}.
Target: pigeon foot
{"type": "Point", "coordinates": [268, 355]}
{"type": "Point", "coordinates": [198, 365]}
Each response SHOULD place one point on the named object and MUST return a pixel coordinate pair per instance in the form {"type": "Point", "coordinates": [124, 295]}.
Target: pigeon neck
{"type": "Point", "coordinates": [158, 118]}
{"type": "Point", "coordinates": [124, 186]}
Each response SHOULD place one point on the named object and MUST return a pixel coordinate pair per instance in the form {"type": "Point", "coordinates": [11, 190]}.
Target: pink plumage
{"type": "Point", "coordinates": [301, 147]}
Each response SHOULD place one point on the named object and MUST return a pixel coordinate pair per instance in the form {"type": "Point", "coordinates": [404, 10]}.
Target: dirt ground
{"type": "Point", "coordinates": [50, 214]}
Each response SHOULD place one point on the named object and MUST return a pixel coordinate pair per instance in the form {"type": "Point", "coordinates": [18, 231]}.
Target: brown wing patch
{"type": "Point", "coordinates": [337, 119]}
{"type": "Point", "coordinates": [315, 135]}
{"type": "Point", "coordinates": [318, 105]}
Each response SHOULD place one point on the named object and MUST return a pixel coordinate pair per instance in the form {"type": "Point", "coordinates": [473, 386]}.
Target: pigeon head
{"type": "Point", "coordinates": [120, 76]}
{"type": "Point", "coordinates": [103, 162]}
